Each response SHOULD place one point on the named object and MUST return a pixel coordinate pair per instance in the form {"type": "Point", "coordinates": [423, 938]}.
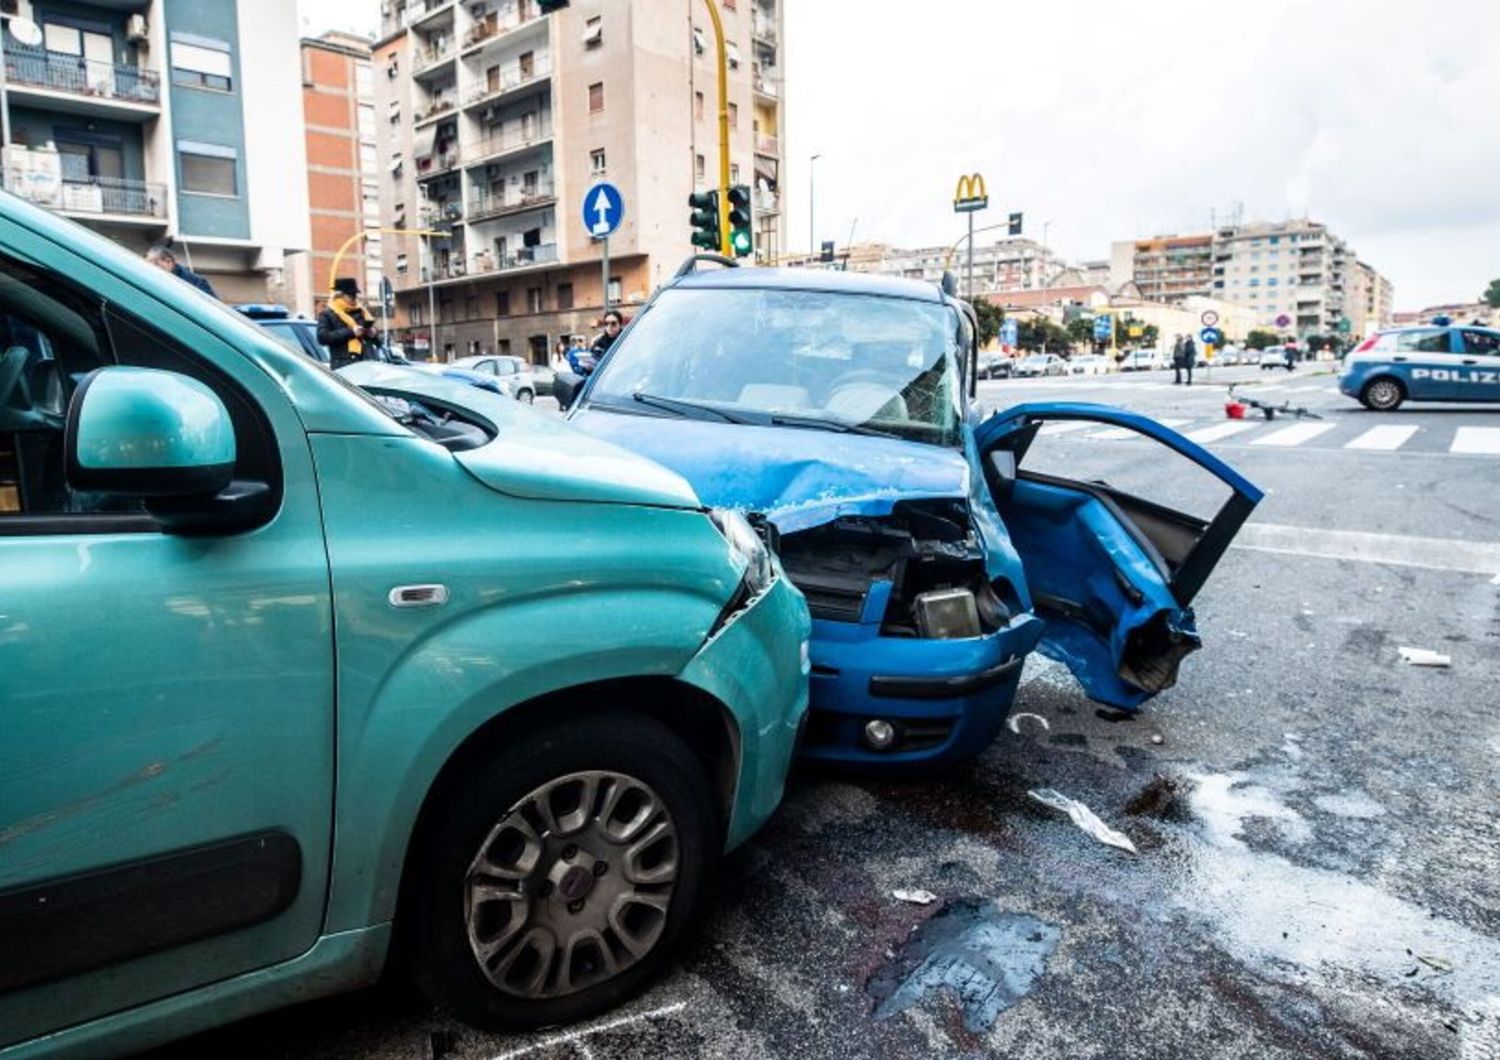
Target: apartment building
{"type": "Point", "coordinates": [1168, 269]}
{"type": "Point", "coordinates": [343, 168]}
{"type": "Point", "coordinates": [157, 119]}
{"type": "Point", "coordinates": [1016, 264]}
{"type": "Point", "coordinates": [494, 120]}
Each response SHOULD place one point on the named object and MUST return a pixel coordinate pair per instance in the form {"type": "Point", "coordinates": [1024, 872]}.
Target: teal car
{"type": "Point", "coordinates": [294, 671]}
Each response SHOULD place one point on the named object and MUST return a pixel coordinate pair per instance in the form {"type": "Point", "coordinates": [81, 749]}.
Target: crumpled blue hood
{"type": "Point", "coordinates": [798, 478]}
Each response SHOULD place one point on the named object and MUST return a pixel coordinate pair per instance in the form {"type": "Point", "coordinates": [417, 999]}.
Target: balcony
{"type": "Point", "coordinates": [485, 263]}
{"type": "Point", "coordinates": [434, 111]}
{"type": "Point", "coordinates": [493, 147]}
{"type": "Point", "coordinates": [763, 29]}
{"type": "Point", "coordinates": [441, 215]}
{"type": "Point", "coordinates": [767, 145]}
{"type": "Point", "coordinates": [509, 80]}
{"type": "Point", "coordinates": [762, 83]}
{"type": "Point", "coordinates": [101, 197]}
{"type": "Point", "coordinates": [426, 59]}
{"type": "Point", "coordinates": [487, 207]}
{"type": "Point", "coordinates": [84, 86]}
{"type": "Point", "coordinates": [439, 163]}
{"type": "Point", "coordinates": [492, 27]}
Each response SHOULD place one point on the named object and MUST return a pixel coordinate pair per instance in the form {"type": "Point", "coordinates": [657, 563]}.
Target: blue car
{"type": "Point", "coordinates": [837, 412]}
{"type": "Point", "coordinates": [1435, 362]}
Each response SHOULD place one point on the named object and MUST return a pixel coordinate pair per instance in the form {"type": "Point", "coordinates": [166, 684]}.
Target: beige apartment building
{"type": "Point", "coordinates": [495, 120]}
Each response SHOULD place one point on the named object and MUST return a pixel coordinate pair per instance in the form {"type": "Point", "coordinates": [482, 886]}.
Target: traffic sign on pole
{"type": "Point", "coordinates": [603, 209]}
{"type": "Point", "coordinates": [1209, 318]}
{"type": "Point", "coordinates": [1010, 331]}
{"type": "Point", "coordinates": [1211, 336]}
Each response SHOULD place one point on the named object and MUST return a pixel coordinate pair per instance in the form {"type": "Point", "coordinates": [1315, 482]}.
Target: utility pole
{"type": "Point", "coordinates": [970, 197]}
{"type": "Point", "coordinates": [723, 66]}
{"type": "Point", "coordinates": [812, 240]}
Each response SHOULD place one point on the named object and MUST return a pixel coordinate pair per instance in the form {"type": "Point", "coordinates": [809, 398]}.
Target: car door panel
{"type": "Point", "coordinates": [1480, 364]}
{"type": "Point", "coordinates": [1113, 573]}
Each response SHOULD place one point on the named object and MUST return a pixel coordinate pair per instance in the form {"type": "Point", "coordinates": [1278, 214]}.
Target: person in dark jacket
{"type": "Point", "coordinates": [1183, 358]}
{"type": "Point", "coordinates": [162, 257]}
{"type": "Point", "coordinates": [613, 322]}
{"type": "Point", "coordinates": [345, 326]}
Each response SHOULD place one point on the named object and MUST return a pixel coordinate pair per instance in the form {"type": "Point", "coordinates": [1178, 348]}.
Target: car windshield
{"type": "Point", "coordinates": [808, 359]}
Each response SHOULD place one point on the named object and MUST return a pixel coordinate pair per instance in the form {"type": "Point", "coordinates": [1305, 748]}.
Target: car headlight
{"type": "Point", "coordinates": [746, 543]}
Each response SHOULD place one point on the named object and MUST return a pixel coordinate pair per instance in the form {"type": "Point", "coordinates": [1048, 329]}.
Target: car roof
{"type": "Point", "coordinates": [831, 281]}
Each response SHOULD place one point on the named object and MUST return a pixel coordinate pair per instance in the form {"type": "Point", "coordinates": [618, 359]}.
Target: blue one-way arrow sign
{"type": "Point", "coordinates": [603, 209]}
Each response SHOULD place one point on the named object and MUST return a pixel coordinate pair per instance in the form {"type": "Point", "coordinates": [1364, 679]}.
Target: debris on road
{"type": "Point", "coordinates": [916, 897]}
{"type": "Point", "coordinates": [1495, 580]}
{"type": "Point", "coordinates": [1083, 817]}
{"type": "Point", "coordinates": [988, 957]}
{"type": "Point", "coordinates": [1437, 964]}
{"type": "Point", "coordinates": [1014, 722]}
{"type": "Point", "coordinates": [1162, 797]}
{"type": "Point", "coordinates": [1424, 657]}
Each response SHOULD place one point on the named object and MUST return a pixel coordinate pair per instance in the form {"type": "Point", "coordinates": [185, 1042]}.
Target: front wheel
{"type": "Point", "coordinates": [1382, 395]}
{"type": "Point", "coordinates": [526, 397]}
{"type": "Point", "coordinates": [561, 874]}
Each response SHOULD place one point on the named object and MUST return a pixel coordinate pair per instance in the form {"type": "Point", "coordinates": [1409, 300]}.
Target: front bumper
{"type": "Point", "coordinates": [946, 698]}
{"type": "Point", "coordinates": [757, 666]}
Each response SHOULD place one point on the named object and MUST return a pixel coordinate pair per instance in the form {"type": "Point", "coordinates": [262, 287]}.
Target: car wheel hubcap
{"type": "Point", "coordinates": [1383, 394]}
{"type": "Point", "coordinates": [572, 886]}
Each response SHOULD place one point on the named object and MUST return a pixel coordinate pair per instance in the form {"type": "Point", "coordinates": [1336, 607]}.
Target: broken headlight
{"type": "Point", "coordinates": [746, 543]}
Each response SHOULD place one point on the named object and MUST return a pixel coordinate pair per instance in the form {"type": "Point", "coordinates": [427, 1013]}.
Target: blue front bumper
{"type": "Point", "coordinates": [946, 698]}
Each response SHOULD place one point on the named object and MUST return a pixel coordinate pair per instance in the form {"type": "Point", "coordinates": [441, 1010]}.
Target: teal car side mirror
{"type": "Point", "coordinates": [140, 432]}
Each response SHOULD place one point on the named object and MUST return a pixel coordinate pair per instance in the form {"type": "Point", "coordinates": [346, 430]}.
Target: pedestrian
{"type": "Point", "coordinates": [1177, 361]}
{"type": "Point", "coordinates": [613, 322]}
{"type": "Point", "coordinates": [1185, 360]}
{"type": "Point", "coordinates": [345, 327]}
{"type": "Point", "coordinates": [160, 255]}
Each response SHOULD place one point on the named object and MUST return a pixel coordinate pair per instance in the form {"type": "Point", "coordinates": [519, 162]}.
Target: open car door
{"type": "Point", "coordinates": [1112, 573]}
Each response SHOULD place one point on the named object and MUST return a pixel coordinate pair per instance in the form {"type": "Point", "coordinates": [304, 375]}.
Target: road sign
{"type": "Point", "coordinates": [970, 195]}
{"type": "Point", "coordinates": [603, 209]}
{"type": "Point", "coordinates": [1283, 320]}
{"type": "Point", "coordinates": [1211, 337]}
{"type": "Point", "coordinates": [1345, 326]}
{"type": "Point", "coordinates": [1104, 327]}
{"type": "Point", "coordinates": [1209, 318]}
{"type": "Point", "coordinates": [1010, 331]}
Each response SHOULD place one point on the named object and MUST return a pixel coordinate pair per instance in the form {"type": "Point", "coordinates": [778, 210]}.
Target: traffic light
{"type": "Point", "coordinates": [741, 241]}
{"type": "Point", "coordinates": [705, 220]}
{"type": "Point", "coordinates": [1015, 224]}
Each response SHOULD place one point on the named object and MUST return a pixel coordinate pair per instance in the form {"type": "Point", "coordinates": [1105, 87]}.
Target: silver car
{"type": "Point", "coordinates": [514, 372]}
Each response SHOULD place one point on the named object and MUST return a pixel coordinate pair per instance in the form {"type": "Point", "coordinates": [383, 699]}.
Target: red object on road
{"type": "Point", "coordinates": [1235, 410]}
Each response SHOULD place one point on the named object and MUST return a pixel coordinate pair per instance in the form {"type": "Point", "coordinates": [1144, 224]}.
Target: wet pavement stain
{"type": "Point", "coordinates": [986, 956]}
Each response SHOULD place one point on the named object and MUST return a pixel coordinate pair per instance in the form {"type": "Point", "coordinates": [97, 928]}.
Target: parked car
{"type": "Point", "coordinates": [295, 679]}
{"type": "Point", "coordinates": [1229, 355]}
{"type": "Point", "coordinates": [1142, 361]}
{"type": "Point", "coordinates": [1039, 364]}
{"type": "Point", "coordinates": [834, 408]}
{"type": "Point", "coordinates": [517, 374]}
{"type": "Point", "coordinates": [1438, 362]}
{"type": "Point", "coordinates": [1088, 364]}
{"type": "Point", "coordinates": [995, 365]}
{"type": "Point", "coordinates": [1277, 358]}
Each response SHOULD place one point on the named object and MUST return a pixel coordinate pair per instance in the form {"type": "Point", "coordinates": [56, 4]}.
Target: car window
{"type": "Point", "coordinates": [52, 335]}
{"type": "Point", "coordinates": [1481, 342]}
{"type": "Point", "coordinates": [1423, 340]}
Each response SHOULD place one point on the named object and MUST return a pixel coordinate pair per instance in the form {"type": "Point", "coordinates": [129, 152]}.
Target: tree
{"type": "Point", "coordinates": [1492, 295]}
{"type": "Point", "coordinates": [1081, 330]}
{"type": "Point", "coordinates": [1043, 336]}
{"type": "Point", "coordinates": [1150, 336]}
{"type": "Point", "coordinates": [1260, 339]}
{"type": "Point", "coordinates": [990, 318]}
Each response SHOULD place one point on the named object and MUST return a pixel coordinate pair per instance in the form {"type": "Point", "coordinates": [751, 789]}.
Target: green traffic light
{"type": "Point", "coordinates": [740, 240]}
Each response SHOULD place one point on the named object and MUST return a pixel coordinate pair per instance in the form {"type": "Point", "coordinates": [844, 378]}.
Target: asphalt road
{"type": "Point", "coordinates": [1315, 819]}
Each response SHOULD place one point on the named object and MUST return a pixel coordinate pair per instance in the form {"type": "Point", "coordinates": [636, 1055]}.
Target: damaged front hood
{"type": "Point", "coordinates": [799, 478]}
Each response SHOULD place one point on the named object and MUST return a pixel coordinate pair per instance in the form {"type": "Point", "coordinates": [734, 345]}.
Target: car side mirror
{"type": "Point", "coordinates": [140, 432]}
{"type": "Point", "coordinates": [565, 388]}
{"type": "Point", "coordinates": [1002, 471]}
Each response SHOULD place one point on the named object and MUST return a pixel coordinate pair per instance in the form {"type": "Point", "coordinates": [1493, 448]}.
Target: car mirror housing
{"type": "Point", "coordinates": [141, 432]}
{"type": "Point", "coordinates": [565, 387]}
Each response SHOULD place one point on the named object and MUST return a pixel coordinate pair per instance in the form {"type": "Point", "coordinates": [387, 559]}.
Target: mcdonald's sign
{"type": "Point", "coordinates": [970, 194]}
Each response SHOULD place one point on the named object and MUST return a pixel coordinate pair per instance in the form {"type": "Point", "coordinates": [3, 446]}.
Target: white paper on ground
{"type": "Point", "coordinates": [1424, 657]}
{"type": "Point", "coordinates": [1083, 817]}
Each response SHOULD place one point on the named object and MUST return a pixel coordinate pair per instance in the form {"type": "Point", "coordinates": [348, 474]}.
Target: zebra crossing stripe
{"type": "Point", "coordinates": [1115, 434]}
{"type": "Point", "coordinates": [1296, 434]}
{"type": "Point", "coordinates": [1483, 440]}
{"type": "Point", "coordinates": [1220, 430]}
{"type": "Point", "coordinates": [1386, 438]}
{"type": "Point", "coordinates": [1065, 426]}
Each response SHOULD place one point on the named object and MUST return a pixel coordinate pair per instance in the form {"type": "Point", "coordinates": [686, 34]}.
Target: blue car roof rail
{"type": "Point", "coordinates": [691, 264]}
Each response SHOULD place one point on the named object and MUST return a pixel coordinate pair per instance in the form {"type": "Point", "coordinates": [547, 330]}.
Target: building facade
{"type": "Point", "coordinates": [493, 122]}
{"type": "Point", "coordinates": [164, 119]}
{"type": "Point", "coordinates": [1015, 264]}
{"type": "Point", "coordinates": [343, 168]}
{"type": "Point", "coordinates": [1168, 269]}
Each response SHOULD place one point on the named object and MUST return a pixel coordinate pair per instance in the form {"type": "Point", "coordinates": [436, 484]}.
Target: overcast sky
{"type": "Point", "coordinates": [1110, 120]}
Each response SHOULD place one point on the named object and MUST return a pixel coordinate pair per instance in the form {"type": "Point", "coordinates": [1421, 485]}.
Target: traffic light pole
{"type": "Point", "coordinates": [723, 64]}
{"type": "Point", "coordinates": [604, 260]}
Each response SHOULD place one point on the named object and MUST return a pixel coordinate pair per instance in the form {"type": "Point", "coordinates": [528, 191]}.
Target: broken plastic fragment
{"type": "Point", "coordinates": [1424, 657]}
{"type": "Point", "coordinates": [917, 897]}
{"type": "Point", "coordinates": [1437, 964]}
{"type": "Point", "coordinates": [1014, 722]}
{"type": "Point", "coordinates": [1083, 817]}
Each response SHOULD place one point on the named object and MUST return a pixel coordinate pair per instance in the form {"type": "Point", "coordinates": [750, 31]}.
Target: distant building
{"type": "Point", "coordinates": [1017, 264]}
{"type": "Point", "coordinates": [1457, 312]}
{"type": "Point", "coordinates": [343, 169]}
{"type": "Point", "coordinates": [156, 119]}
{"type": "Point", "coordinates": [1167, 269]}
{"type": "Point", "coordinates": [494, 120]}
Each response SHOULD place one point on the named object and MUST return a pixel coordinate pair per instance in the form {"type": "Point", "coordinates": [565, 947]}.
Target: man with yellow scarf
{"type": "Point", "coordinates": [345, 327]}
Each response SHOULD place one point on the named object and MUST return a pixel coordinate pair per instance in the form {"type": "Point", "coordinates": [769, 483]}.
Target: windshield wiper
{"type": "Point", "coordinates": [683, 408]}
{"type": "Point", "coordinates": [783, 420]}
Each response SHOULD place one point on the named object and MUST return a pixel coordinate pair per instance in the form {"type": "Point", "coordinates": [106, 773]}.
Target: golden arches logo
{"type": "Point", "coordinates": [970, 187]}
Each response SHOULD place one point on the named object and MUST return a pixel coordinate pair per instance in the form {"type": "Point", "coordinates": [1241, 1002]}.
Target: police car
{"type": "Point", "coordinates": [1434, 362]}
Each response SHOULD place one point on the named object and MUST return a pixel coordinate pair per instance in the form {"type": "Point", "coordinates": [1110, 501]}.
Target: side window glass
{"type": "Point", "coordinates": [1486, 343]}
{"type": "Point", "coordinates": [1427, 340]}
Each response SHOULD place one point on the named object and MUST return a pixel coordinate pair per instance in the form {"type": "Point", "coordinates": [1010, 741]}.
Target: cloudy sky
{"type": "Point", "coordinates": [1109, 120]}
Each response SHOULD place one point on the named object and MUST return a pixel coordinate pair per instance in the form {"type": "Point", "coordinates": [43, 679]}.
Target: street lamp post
{"type": "Point", "coordinates": [812, 242]}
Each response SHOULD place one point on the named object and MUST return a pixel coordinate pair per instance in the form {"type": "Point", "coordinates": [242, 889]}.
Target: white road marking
{"type": "Point", "coordinates": [1115, 434]}
{"type": "Point", "coordinates": [1387, 438]}
{"type": "Point", "coordinates": [1296, 434]}
{"type": "Point", "coordinates": [1485, 440]}
{"type": "Point", "coordinates": [1429, 553]}
{"type": "Point", "coordinates": [1064, 426]}
{"type": "Point", "coordinates": [575, 1038]}
{"type": "Point", "coordinates": [1221, 430]}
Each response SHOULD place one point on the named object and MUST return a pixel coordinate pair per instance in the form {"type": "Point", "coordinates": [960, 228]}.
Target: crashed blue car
{"type": "Point", "coordinates": [838, 412]}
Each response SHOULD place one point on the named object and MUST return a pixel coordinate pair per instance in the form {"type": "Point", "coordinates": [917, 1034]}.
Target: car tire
{"type": "Point", "coordinates": [518, 811]}
{"type": "Point", "coordinates": [1382, 395]}
{"type": "Point", "coordinates": [526, 397]}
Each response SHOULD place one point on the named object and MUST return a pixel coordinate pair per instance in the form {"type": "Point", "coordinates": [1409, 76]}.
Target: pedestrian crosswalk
{"type": "Point", "coordinates": [1285, 432]}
